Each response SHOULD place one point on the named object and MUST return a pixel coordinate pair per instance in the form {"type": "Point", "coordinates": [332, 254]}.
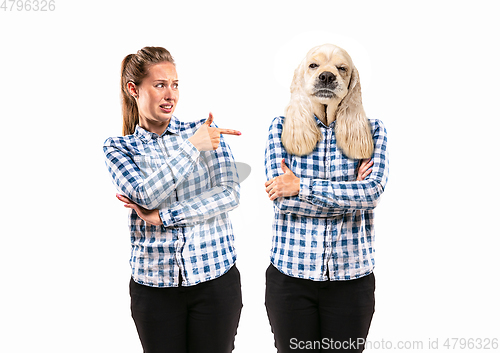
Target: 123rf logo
{"type": "Point", "coordinates": [28, 5]}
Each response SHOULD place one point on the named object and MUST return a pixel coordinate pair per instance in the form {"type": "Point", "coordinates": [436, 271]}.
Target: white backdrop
{"type": "Point", "coordinates": [429, 70]}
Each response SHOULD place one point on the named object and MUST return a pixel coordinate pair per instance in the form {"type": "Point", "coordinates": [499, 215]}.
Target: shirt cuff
{"type": "Point", "coordinates": [188, 148]}
{"type": "Point", "coordinates": [166, 218]}
{"type": "Point", "coordinates": [305, 189]}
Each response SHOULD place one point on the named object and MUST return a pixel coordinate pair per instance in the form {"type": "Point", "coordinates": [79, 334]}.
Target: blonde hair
{"type": "Point", "coordinates": [301, 134]}
{"type": "Point", "coordinates": [134, 69]}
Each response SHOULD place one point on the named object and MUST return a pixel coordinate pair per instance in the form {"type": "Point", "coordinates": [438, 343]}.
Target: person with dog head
{"type": "Point", "coordinates": [179, 180]}
{"type": "Point", "coordinates": [327, 167]}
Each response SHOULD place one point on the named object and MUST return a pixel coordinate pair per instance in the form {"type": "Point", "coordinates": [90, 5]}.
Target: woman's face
{"type": "Point", "coordinates": [157, 97]}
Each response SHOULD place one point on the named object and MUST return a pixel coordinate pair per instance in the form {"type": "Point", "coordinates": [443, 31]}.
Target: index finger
{"type": "Point", "coordinates": [229, 132]}
{"type": "Point", "coordinates": [123, 199]}
{"type": "Point", "coordinates": [269, 182]}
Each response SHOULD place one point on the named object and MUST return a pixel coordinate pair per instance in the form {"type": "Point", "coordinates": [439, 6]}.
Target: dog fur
{"type": "Point", "coordinates": [326, 84]}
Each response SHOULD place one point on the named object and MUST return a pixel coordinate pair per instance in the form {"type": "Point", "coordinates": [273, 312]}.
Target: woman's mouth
{"type": "Point", "coordinates": [166, 108]}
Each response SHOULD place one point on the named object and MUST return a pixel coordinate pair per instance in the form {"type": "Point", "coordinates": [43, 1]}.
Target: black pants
{"type": "Point", "coordinates": [310, 316]}
{"type": "Point", "coordinates": [198, 319]}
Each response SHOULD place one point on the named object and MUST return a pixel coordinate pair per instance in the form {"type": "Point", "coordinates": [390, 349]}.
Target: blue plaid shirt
{"type": "Point", "coordinates": [326, 231]}
{"type": "Point", "coordinates": [193, 190]}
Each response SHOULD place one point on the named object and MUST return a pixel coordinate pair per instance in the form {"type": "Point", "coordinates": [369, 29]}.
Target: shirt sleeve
{"type": "Point", "coordinates": [274, 154]}
{"type": "Point", "coordinates": [148, 192]}
{"type": "Point", "coordinates": [355, 195]}
{"type": "Point", "coordinates": [222, 197]}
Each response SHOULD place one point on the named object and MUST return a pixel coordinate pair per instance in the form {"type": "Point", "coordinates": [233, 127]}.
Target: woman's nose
{"type": "Point", "coordinates": [169, 92]}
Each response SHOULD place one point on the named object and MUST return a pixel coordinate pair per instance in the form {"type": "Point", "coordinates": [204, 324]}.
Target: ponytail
{"type": "Point", "coordinates": [130, 110]}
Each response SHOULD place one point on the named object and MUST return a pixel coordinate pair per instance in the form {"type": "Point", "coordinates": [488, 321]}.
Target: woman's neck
{"type": "Point", "coordinates": [157, 127]}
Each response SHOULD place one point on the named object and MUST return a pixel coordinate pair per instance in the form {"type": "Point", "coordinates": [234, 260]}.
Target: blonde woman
{"type": "Point", "coordinates": [326, 166]}
{"type": "Point", "coordinates": [179, 180]}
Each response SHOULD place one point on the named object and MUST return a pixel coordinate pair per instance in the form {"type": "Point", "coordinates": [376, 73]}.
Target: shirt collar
{"type": "Point", "coordinates": [145, 135]}
{"type": "Point", "coordinates": [319, 122]}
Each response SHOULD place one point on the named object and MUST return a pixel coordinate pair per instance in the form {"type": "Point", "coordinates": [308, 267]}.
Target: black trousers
{"type": "Point", "coordinates": [311, 316]}
{"type": "Point", "coordinates": [198, 319]}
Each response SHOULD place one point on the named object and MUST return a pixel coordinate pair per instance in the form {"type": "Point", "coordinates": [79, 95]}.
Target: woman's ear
{"type": "Point", "coordinates": [352, 128]}
{"type": "Point", "coordinates": [132, 89]}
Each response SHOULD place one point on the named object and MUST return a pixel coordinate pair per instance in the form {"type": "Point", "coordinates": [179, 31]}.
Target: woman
{"type": "Point", "coordinates": [320, 284]}
{"type": "Point", "coordinates": [319, 296]}
{"type": "Point", "coordinates": [179, 180]}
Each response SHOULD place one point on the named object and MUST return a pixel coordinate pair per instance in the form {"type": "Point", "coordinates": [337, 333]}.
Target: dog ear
{"type": "Point", "coordinates": [300, 133]}
{"type": "Point", "coordinates": [352, 128]}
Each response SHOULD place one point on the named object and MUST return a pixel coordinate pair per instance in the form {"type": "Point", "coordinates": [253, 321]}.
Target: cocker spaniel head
{"type": "Point", "coordinates": [326, 84]}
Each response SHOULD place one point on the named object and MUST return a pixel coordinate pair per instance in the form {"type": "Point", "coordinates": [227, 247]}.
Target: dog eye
{"type": "Point", "coordinates": [313, 66]}
{"type": "Point", "coordinates": [343, 69]}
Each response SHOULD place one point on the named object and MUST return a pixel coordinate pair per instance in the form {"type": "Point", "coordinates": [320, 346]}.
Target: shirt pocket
{"type": "Point", "coordinates": [306, 167]}
{"type": "Point", "coordinates": [196, 182]}
{"type": "Point", "coordinates": [147, 164]}
{"type": "Point", "coordinates": [349, 169]}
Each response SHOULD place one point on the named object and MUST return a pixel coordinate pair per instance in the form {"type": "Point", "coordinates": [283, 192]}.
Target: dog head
{"type": "Point", "coordinates": [324, 76]}
{"type": "Point", "coordinates": [326, 84]}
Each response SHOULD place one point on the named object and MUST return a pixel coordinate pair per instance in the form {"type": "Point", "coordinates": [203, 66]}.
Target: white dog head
{"type": "Point", "coordinates": [326, 84]}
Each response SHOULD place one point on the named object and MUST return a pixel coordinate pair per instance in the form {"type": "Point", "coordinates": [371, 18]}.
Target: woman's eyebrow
{"type": "Point", "coordinates": [166, 80]}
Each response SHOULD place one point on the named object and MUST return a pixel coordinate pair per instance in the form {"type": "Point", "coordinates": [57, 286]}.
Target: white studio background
{"type": "Point", "coordinates": [429, 70]}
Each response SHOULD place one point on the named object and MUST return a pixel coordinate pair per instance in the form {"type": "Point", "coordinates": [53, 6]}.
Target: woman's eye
{"type": "Point", "coordinates": [175, 85]}
{"type": "Point", "coordinates": [160, 85]}
{"type": "Point", "coordinates": [313, 66]}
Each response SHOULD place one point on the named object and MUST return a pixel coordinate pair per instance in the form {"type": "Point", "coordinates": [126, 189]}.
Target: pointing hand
{"type": "Point", "coordinates": [207, 138]}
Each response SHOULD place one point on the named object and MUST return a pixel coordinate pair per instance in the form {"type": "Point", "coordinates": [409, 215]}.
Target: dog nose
{"type": "Point", "coordinates": [327, 77]}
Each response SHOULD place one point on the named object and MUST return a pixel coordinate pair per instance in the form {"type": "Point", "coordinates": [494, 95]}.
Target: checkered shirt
{"type": "Point", "coordinates": [327, 230]}
{"type": "Point", "coordinates": [193, 191]}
